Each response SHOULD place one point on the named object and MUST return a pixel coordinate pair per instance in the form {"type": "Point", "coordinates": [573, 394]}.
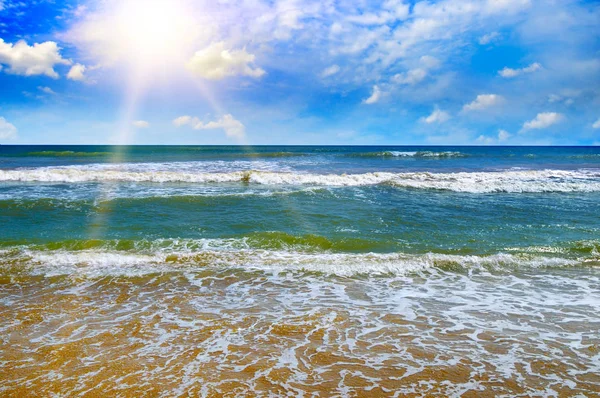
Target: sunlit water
{"type": "Point", "coordinates": [299, 271]}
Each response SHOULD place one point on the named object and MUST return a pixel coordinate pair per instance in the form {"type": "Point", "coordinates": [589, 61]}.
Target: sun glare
{"type": "Point", "coordinates": [154, 32]}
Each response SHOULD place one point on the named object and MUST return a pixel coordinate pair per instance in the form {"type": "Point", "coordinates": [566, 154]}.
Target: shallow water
{"type": "Point", "coordinates": [300, 271]}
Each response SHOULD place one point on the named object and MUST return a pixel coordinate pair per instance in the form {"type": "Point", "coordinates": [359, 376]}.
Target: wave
{"type": "Point", "coordinates": [266, 240]}
{"type": "Point", "coordinates": [101, 258]}
{"type": "Point", "coordinates": [279, 240]}
{"type": "Point", "coordinates": [269, 155]}
{"type": "Point", "coordinates": [586, 156]}
{"type": "Point", "coordinates": [410, 154]}
{"type": "Point", "coordinates": [512, 181]}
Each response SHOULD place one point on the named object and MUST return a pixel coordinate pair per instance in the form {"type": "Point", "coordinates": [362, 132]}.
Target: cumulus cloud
{"type": "Point", "coordinates": [510, 73]}
{"type": "Point", "coordinates": [7, 130]}
{"type": "Point", "coordinates": [77, 73]}
{"type": "Point", "coordinates": [411, 77]}
{"type": "Point", "coordinates": [416, 75]}
{"type": "Point", "coordinates": [182, 121]}
{"type": "Point", "coordinates": [543, 120]}
{"type": "Point", "coordinates": [502, 136]}
{"type": "Point", "coordinates": [596, 124]}
{"type": "Point", "coordinates": [217, 62]}
{"type": "Point", "coordinates": [39, 59]}
{"type": "Point", "coordinates": [141, 124]}
{"type": "Point", "coordinates": [437, 116]}
{"type": "Point", "coordinates": [483, 101]}
{"type": "Point", "coordinates": [233, 128]}
{"type": "Point", "coordinates": [375, 96]}
{"type": "Point", "coordinates": [330, 71]}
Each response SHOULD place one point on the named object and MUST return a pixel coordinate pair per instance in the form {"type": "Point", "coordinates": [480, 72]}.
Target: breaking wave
{"type": "Point", "coordinates": [102, 258]}
{"type": "Point", "coordinates": [513, 181]}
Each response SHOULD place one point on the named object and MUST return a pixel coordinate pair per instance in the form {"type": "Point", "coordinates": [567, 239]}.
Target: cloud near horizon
{"type": "Point", "coordinates": [437, 116]}
{"type": "Point", "coordinates": [141, 124]}
{"type": "Point", "coordinates": [8, 131]}
{"type": "Point", "coordinates": [543, 120]}
{"type": "Point", "coordinates": [233, 128]}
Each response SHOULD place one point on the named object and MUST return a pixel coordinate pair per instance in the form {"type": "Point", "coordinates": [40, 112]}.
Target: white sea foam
{"type": "Point", "coordinates": [429, 154]}
{"type": "Point", "coordinates": [475, 182]}
{"type": "Point", "coordinates": [411, 154]}
{"type": "Point", "coordinates": [234, 253]}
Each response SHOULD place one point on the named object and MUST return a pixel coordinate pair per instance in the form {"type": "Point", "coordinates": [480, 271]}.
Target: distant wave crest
{"type": "Point", "coordinates": [67, 154]}
{"type": "Point", "coordinates": [410, 154]}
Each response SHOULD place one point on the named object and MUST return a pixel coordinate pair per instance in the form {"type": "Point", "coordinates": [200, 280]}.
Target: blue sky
{"type": "Point", "coordinates": [488, 72]}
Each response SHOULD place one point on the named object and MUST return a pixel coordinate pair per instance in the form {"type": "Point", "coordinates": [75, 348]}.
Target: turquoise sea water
{"type": "Point", "coordinates": [459, 243]}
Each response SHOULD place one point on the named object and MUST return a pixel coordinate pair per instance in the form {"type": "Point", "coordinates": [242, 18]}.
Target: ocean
{"type": "Point", "coordinates": [299, 271]}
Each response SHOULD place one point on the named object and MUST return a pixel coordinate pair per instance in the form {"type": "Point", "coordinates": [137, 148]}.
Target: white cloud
{"type": "Point", "coordinates": [543, 120]}
{"type": "Point", "coordinates": [554, 98]}
{"type": "Point", "coordinates": [336, 28]}
{"type": "Point", "coordinates": [233, 128]}
{"type": "Point", "coordinates": [217, 62]}
{"type": "Point", "coordinates": [567, 97]}
{"type": "Point", "coordinates": [375, 96]}
{"type": "Point", "coordinates": [411, 77]}
{"type": "Point", "coordinates": [416, 75]}
{"type": "Point", "coordinates": [482, 139]}
{"type": "Point", "coordinates": [437, 116]}
{"type": "Point", "coordinates": [393, 10]}
{"type": "Point", "coordinates": [7, 130]}
{"type": "Point", "coordinates": [510, 73]}
{"type": "Point", "coordinates": [488, 38]}
{"type": "Point", "coordinates": [399, 8]}
{"type": "Point", "coordinates": [330, 71]}
{"type": "Point", "coordinates": [502, 136]}
{"type": "Point", "coordinates": [371, 19]}
{"type": "Point", "coordinates": [182, 121]}
{"type": "Point", "coordinates": [444, 21]}
{"type": "Point", "coordinates": [26, 60]}
{"type": "Point", "coordinates": [141, 124]}
{"type": "Point", "coordinates": [429, 62]}
{"type": "Point", "coordinates": [46, 90]}
{"type": "Point", "coordinates": [483, 101]}
{"type": "Point", "coordinates": [77, 73]}
{"type": "Point", "coordinates": [596, 124]}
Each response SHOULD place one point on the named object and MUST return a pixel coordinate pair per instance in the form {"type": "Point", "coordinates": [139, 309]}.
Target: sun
{"type": "Point", "coordinates": [154, 32]}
